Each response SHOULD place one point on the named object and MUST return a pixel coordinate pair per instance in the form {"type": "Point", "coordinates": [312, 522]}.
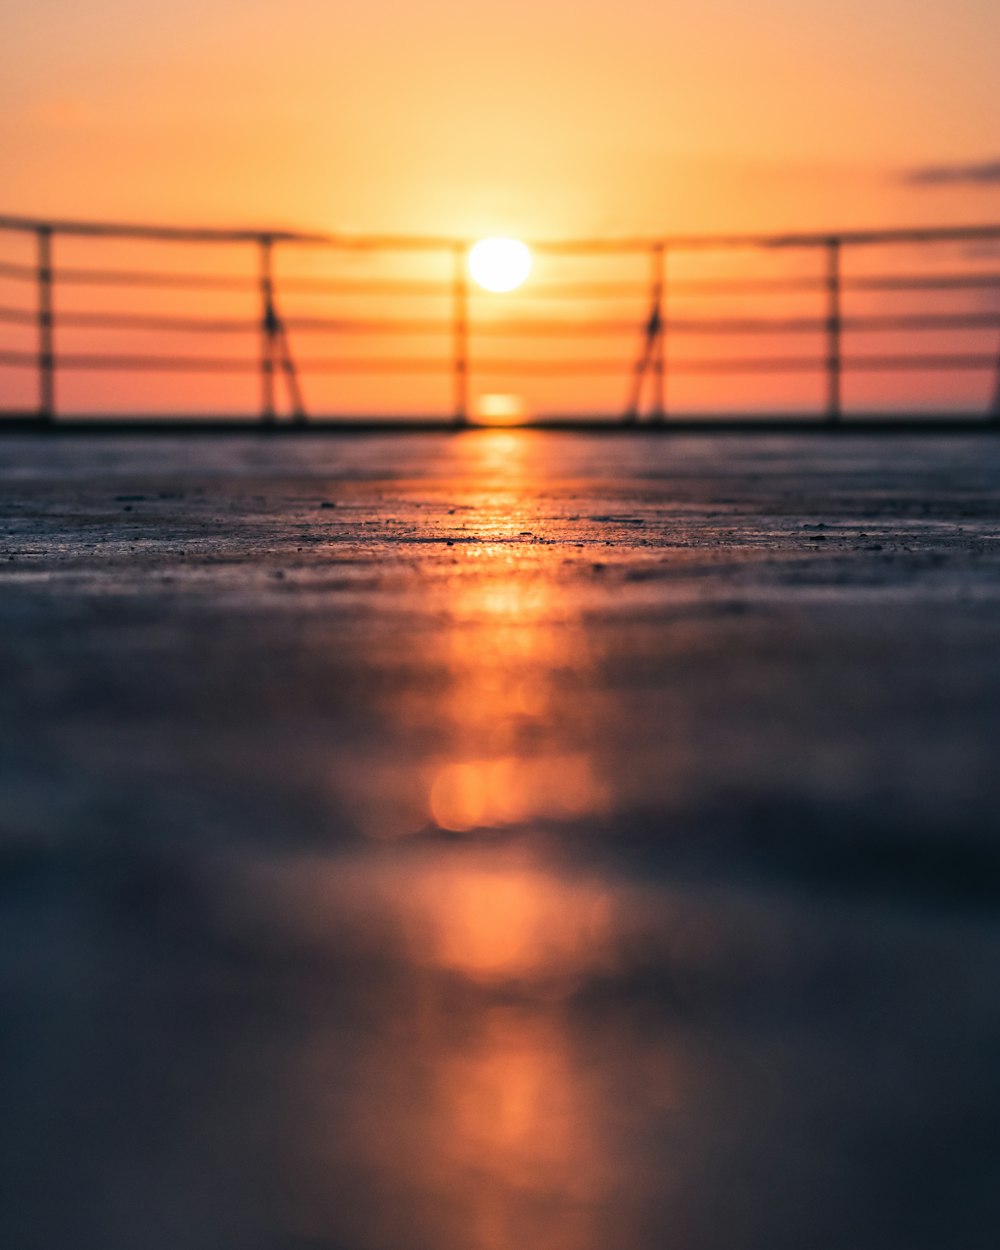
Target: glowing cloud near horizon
{"type": "Point", "coordinates": [500, 264]}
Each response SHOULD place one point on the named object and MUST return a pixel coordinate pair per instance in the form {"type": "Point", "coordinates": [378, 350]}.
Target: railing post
{"type": "Point", "coordinates": [460, 334]}
{"type": "Point", "coordinates": [652, 356]}
{"type": "Point", "coordinates": [266, 288]}
{"type": "Point", "coordinates": [46, 333]}
{"type": "Point", "coordinates": [660, 355]}
{"type": "Point", "coordinates": [834, 328]}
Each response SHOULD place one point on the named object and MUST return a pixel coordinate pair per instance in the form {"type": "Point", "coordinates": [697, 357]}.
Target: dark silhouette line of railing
{"type": "Point", "coordinates": [648, 374]}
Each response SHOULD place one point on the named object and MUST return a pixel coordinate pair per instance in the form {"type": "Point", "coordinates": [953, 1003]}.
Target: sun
{"type": "Point", "coordinates": [500, 264]}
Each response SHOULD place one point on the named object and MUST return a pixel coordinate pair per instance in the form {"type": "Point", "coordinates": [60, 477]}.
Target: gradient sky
{"type": "Point", "coordinates": [571, 118]}
{"type": "Point", "coordinates": [562, 118]}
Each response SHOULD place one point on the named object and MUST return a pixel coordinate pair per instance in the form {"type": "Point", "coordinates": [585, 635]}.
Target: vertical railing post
{"type": "Point", "coordinates": [651, 358]}
{"type": "Point", "coordinates": [834, 331]}
{"type": "Point", "coordinates": [460, 334]}
{"type": "Point", "coordinates": [46, 330]}
{"type": "Point", "coordinates": [660, 356]}
{"type": "Point", "coordinates": [266, 289]}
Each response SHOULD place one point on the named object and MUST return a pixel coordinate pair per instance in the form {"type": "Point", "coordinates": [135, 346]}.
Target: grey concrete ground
{"type": "Point", "coordinates": [498, 841]}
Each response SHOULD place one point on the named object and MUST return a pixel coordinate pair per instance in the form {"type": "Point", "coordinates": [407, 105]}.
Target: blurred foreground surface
{"type": "Point", "coordinates": [497, 841]}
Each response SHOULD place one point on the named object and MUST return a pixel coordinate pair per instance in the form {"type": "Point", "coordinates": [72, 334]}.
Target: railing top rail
{"type": "Point", "coordinates": [401, 242]}
{"type": "Point", "coordinates": [725, 242]}
{"type": "Point", "coordinates": [211, 234]}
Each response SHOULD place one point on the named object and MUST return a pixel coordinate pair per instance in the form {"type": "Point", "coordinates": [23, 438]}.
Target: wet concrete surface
{"type": "Point", "coordinates": [499, 840]}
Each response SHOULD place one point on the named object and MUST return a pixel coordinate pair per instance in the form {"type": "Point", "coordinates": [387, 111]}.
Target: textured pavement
{"type": "Point", "coordinates": [511, 839]}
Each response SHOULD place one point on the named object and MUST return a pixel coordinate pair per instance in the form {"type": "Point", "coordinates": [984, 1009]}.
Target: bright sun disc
{"type": "Point", "coordinates": [500, 264]}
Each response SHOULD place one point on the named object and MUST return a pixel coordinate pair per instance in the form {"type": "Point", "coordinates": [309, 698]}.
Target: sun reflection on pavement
{"type": "Point", "coordinates": [471, 1111]}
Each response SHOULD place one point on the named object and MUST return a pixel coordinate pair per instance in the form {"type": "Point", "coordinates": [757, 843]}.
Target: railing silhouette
{"type": "Point", "coordinates": [645, 381]}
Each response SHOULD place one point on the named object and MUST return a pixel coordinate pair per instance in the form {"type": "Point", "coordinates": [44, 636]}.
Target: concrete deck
{"type": "Point", "coordinates": [499, 840]}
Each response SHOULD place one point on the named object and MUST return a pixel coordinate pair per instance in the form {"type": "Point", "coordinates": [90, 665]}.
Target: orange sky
{"type": "Point", "coordinates": [525, 118]}
{"type": "Point", "coordinates": [565, 119]}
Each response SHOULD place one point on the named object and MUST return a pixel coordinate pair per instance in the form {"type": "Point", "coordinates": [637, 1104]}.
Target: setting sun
{"type": "Point", "coordinates": [500, 264]}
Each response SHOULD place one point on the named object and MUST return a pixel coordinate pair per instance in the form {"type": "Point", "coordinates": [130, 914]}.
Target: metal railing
{"type": "Point", "coordinates": [655, 331]}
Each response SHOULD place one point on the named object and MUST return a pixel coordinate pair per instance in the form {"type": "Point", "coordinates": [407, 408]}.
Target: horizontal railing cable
{"type": "Point", "coordinates": [543, 290]}
{"type": "Point", "coordinates": [21, 273]}
{"type": "Point", "coordinates": [526, 328]}
{"type": "Point", "coordinates": [513, 367]}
